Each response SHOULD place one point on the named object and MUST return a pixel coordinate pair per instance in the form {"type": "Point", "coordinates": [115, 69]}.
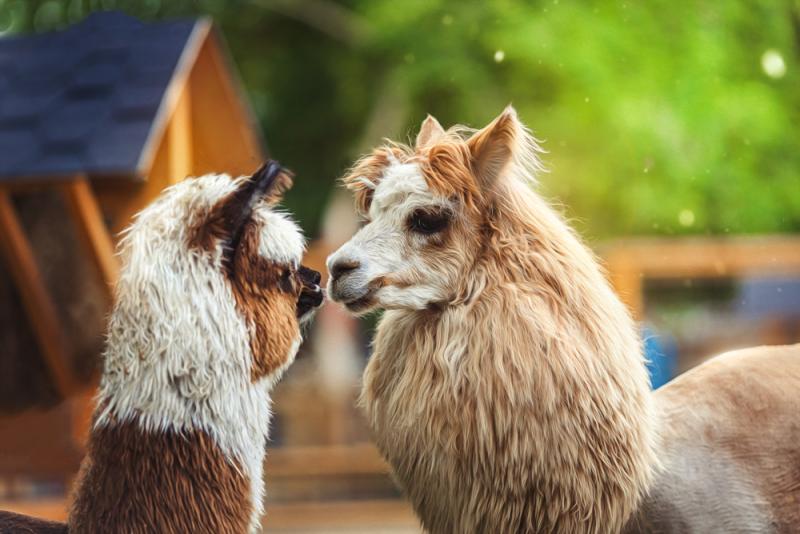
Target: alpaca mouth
{"type": "Point", "coordinates": [311, 294]}
{"type": "Point", "coordinates": [361, 303]}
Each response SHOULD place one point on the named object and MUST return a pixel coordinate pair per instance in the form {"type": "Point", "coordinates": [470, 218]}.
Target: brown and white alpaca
{"type": "Point", "coordinates": [507, 387]}
{"type": "Point", "coordinates": [207, 317]}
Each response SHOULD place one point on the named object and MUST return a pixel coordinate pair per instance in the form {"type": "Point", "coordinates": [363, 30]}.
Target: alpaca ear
{"type": "Point", "coordinates": [492, 148]}
{"type": "Point", "coordinates": [429, 132]}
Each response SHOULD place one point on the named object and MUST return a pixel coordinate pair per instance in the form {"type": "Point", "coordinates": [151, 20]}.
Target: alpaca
{"type": "Point", "coordinates": [507, 387]}
{"type": "Point", "coordinates": [207, 317]}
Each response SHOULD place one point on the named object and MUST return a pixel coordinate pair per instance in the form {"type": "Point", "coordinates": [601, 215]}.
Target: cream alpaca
{"type": "Point", "coordinates": [507, 387]}
{"type": "Point", "coordinates": [206, 319]}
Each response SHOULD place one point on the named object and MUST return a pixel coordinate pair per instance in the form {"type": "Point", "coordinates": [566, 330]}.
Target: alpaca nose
{"type": "Point", "coordinates": [342, 267]}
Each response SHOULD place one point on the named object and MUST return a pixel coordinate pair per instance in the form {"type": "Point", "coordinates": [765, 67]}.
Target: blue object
{"type": "Point", "coordinates": [661, 353]}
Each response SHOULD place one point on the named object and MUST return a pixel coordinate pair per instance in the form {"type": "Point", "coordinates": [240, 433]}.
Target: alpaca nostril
{"type": "Point", "coordinates": [343, 267]}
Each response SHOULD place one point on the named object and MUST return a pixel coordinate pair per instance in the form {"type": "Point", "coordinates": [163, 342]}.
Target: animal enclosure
{"type": "Point", "coordinates": [671, 146]}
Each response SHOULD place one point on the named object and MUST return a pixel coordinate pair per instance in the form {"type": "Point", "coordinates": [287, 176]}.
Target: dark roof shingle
{"type": "Point", "coordinates": [83, 100]}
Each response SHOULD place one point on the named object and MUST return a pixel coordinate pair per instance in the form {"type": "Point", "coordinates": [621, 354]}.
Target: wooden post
{"type": "Point", "coordinates": [93, 230]}
{"type": "Point", "coordinates": [626, 279]}
{"type": "Point", "coordinates": [81, 410]}
{"type": "Point", "coordinates": [38, 306]}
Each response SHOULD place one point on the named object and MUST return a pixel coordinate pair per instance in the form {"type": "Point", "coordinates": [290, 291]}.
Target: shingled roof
{"type": "Point", "coordinates": [87, 99]}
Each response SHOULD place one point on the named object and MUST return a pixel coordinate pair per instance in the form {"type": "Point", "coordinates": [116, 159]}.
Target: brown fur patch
{"type": "Point", "coordinates": [388, 280]}
{"type": "Point", "coordinates": [138, 482]}
{"type": "Point", "coordinates": [447, 171]}
{"type": "Point", "coordinates": [212, 227]}
{"type": "Point", "coordinates": [266, 294]}
{"type": "Point", "coordinates": [215, 225]}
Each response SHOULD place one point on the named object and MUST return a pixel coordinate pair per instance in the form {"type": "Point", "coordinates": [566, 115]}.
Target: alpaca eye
{"type": "Point", "coordinates": [286, 282]}
{"type": "Point", "coordinates": [428, 222]}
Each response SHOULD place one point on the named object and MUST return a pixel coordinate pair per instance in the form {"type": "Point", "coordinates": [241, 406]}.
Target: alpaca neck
{"type": "Point", "coordinates": [584, 351]}
{"type": "Point", "coordinates": [193, 439]}
{"type": "Point", "coordinates": [137, 480]}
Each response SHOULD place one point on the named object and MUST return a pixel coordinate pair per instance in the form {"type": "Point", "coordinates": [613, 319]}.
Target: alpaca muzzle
{"type": "Point", "coordinates": [311, 294]}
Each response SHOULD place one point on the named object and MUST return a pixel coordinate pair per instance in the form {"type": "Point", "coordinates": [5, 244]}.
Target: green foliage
{"type": "Point", "coordinates": [659, 117]}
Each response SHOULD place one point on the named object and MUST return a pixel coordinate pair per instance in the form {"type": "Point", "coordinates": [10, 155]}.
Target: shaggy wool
{"type": "Point", "coordinates": [507, 387]}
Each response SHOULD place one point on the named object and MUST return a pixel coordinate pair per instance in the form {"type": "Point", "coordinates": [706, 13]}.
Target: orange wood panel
{"type": "Point", "coordinates": [123, 200]}
{"type": "Point", "coordinates": [81, 409]}
{"type": "Point", "coordinates": [225, 135]}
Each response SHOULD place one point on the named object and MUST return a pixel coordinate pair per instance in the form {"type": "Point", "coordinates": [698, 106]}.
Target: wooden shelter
{"type": "Point", "coordinates": [95, 121]}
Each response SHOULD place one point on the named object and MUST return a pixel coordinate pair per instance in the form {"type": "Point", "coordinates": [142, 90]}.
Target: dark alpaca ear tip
{"type": "Point", "coordinates": [270, 179]}
{"type": "Point", "coordinates": [267, 183]}
{"type": "Point", "coordinates": [265, 179]}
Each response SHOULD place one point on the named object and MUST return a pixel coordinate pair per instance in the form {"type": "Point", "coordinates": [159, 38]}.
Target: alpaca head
{"type": "Point", "coordinates": [426, 214]}
{"type": "Point", "coordinates": [210, 299]}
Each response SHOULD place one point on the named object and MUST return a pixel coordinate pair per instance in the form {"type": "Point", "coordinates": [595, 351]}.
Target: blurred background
{"type": "Point", "coordinates": [673, 146]}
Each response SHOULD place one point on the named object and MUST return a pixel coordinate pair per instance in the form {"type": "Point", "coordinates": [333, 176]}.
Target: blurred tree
{"type": "Point", "coordinates": [659, 117]}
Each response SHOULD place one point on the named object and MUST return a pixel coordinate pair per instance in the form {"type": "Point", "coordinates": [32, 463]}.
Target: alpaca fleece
{"type": "Point", "coordinates": [507, 387]}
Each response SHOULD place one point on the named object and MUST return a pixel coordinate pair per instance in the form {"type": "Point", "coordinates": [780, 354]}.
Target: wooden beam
{"type": "Point", "coordinates": [627, 281]}
{"type": "Point", "coordinates": [393, 515]}
{"type": "Point", "coordinates": [36, 300]}
{"type": "Point", "coordinates": [50, 508]}
{"type": "Point", "coordinates": [697, 257]}
{"type": "Point", "coordinates": [631, 261]}
{"type": "Point", "coordinates": [179, 137]}
{"type": "Point", "coordinates": [92, 228]}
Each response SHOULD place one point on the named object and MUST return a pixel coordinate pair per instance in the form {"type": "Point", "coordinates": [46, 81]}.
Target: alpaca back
{"type": "Point", "coordinates": [730, 440]}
